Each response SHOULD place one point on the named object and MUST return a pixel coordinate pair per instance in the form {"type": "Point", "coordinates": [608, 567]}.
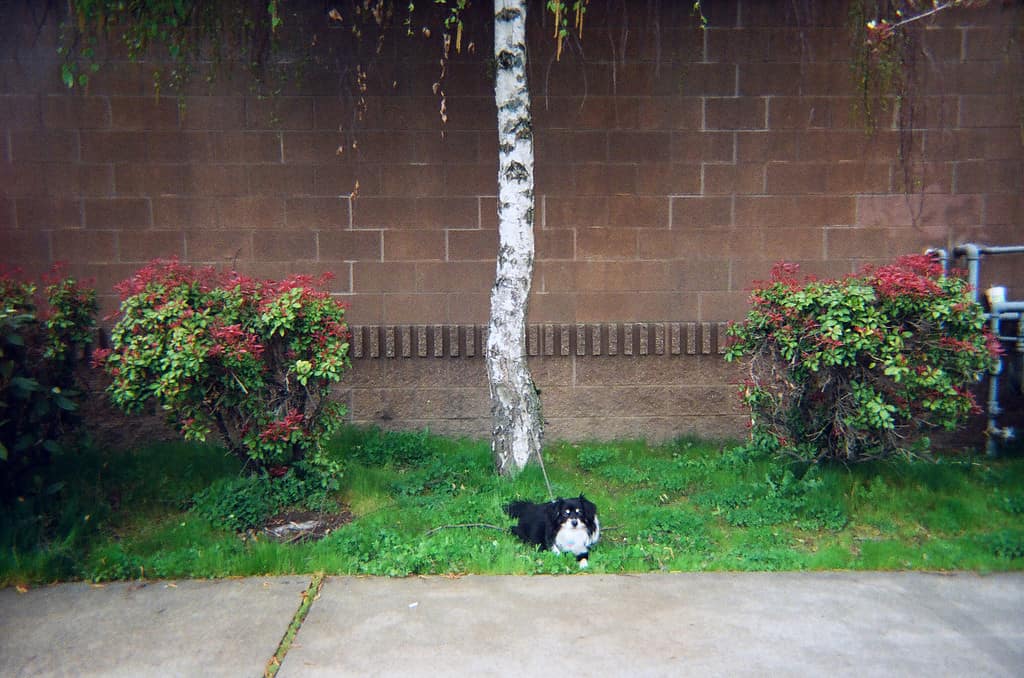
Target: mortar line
{"type": "Point", "coordinates": [309, 597]}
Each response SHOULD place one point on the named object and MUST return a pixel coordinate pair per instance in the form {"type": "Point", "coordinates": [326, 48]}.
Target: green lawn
{"type": "Point", "coordinates": [688, 505]}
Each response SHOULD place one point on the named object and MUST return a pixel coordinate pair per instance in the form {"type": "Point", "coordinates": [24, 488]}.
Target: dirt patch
{"type": "Point", "coordinates": [299, 526]}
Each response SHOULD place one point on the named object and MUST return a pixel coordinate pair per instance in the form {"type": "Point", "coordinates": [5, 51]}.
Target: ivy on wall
{"type": "Point", "coordinates": [182, 33]}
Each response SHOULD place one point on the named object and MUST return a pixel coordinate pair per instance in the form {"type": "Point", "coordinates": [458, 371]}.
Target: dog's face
{"type": "Point", "coordinates": [572, 512]}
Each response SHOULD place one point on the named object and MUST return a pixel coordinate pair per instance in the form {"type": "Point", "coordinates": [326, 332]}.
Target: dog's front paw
{"type": "Point", "coordinates": [584, 564]}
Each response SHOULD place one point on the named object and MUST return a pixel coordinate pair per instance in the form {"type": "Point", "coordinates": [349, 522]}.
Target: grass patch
{"type": "Point", "coordinates": [688, 505]}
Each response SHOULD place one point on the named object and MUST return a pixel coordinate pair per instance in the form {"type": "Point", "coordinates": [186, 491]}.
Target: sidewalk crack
{"type": "Point", "coordinates": [309, 596]}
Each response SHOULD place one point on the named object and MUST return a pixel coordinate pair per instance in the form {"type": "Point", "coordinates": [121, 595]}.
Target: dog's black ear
{"type": "Point", "coordinates": [589, 509]}
{"type": "Point", "coordinates": [554, 509]}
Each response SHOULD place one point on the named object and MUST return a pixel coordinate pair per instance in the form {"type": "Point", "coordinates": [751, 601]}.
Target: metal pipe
{"type": "Point", "coordinates": [1001, 249]}
{"type": "Point", "coordinates": [961, 250]}
{"type": "Point", "coordinates": [943, 257]}
{"type": "Point", "coordinates": [972, 253]}
{"type": "Point", "coordinates": [992, 430]}
{"type": "Point", "coordinates": [999, 310]}
{"type": "Point", "coordinates": [1020, 351]}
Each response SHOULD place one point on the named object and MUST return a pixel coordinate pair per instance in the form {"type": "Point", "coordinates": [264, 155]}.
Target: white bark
{"type": "Point", "coordinates": [515, 403]}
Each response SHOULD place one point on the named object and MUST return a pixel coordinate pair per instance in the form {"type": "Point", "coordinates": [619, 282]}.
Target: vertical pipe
{"type": "Point", "coordinates": [942, 256]}
{"type": "Point", "coordinates": [1020, 349]}
{"type": "Point", "coordinates": [973, 255]}
{"type": "Point", "coordinates": [992, 429]}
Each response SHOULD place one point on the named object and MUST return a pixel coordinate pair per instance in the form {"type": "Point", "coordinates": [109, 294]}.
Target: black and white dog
{"type": "Point", "coordinates": [560, 525]}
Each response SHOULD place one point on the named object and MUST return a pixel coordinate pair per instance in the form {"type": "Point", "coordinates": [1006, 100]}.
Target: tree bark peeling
{"type": "Point", "coordinates": [515, 403]}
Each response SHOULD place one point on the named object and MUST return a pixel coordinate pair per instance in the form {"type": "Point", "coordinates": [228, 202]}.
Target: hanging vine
{"type": "Point", "coordinates": [189, 32]}
{"type": "Point", "coordinates": [886, 50]}
{"type": "Point", "coordinates": [877, 65]}
{"type": "Point", "coordinates": [183, 33]}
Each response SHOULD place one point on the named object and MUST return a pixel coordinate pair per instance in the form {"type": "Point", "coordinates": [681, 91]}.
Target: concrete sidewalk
{"type": "Point", "coordinates": [790, 624]}
{"type": "Point", "coordinates": [228, 627]}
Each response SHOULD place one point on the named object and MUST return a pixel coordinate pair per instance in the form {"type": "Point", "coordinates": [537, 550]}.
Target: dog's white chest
{"type": "Point", "coordinates": [576, 540]}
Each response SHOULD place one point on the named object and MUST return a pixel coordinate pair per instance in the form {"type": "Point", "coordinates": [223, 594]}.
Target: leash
{"type": "Point", "coordinates": [544, 471]}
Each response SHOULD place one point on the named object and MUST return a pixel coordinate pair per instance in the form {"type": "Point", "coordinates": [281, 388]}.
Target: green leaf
{"type": "Point", "coordinates": [65, 404]}
{"type": "Point", "coordinates": [24, 385]}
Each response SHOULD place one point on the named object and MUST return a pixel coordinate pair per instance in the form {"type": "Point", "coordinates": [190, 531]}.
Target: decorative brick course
{"type": "Point", "coordinates": [548, 339]}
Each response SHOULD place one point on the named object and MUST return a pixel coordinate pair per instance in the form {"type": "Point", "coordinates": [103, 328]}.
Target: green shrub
{"type": "Point", "coordinates": [253, 360]}
{"type": "Point", "coordinates": [39, 350]}
{"type": "Point", "coordinates": [859, 368]}
{"type": "Point", "coordinates": [246, 502]}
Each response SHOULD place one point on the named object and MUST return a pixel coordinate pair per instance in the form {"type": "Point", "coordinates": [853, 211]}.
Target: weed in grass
{"type": "Point", "coordinates": [396, 448]}
{"type": "Point", "coordinates": [435, 477]}
{"type": "Point", "coordinates": [677, 526]}
{"type": "Point", "coordinates": [763, 549]}
{"type": "Point", "coordinates": [1012, 504]}
{"type": "Point", "coordinates": [590, 458]}
{"type": "Point", "coordinates": [951, 514]}
{"type": "Point", "coordinates": [47, 561]}
{"type": "Point", "coordinates": [246, 502]}
{"type": "Point", "coordinates": [1007, 544]}
{"type": "Point", "coordinates": [888, 554]}
{"type": "Point", "coordinates": [381, 552]}
{"type": "Point", "coordinates": [236, 503]}
{"type": "Point", "coordinates": [623, 474]}
{"type": "Point", "coordinates": [830, 557]}
{"type": "Point", "coordinates": [113, 562]}
{"type": "Point", "coordinates": [366, 489]}
{"type": "Point", "coordinates": [778, 498]}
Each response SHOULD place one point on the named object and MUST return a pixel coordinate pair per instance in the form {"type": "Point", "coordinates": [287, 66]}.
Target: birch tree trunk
{"type": "Point", "coordinates": [515, 403]}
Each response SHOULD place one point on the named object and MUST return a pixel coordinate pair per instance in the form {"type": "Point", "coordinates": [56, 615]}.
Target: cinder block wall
{"type": "Point", "coordinates": [674, 167]}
